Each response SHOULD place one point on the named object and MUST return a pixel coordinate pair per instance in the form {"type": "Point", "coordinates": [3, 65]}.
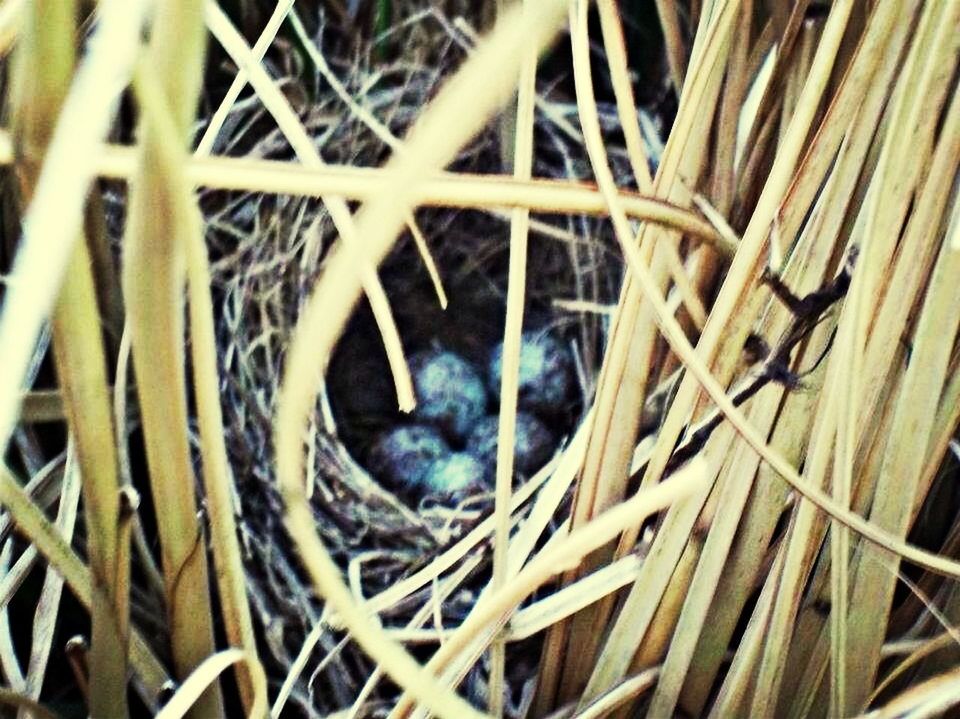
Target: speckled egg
{"type": "Point", "coordinates": [533, 446]}
{"type": "Point", "coordinates": [455, 473]}
{"type": "Point", "coordinates": [546, 373]}
{"type": "Point", "coordinates": [450, 392]}
{"type": "Point", "coordinates": [405, 455]}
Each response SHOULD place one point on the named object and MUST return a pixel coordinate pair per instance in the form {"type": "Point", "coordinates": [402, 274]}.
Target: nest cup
{"type": "Point", "coordinates": [455, 359]}
{"type": "Point", "coordinates": [376, 529]}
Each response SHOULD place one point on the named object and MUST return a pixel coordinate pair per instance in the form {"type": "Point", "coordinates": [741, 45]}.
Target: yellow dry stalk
{"type": "Point", "coordinates": [863, 70]}
{"type": "Point", "coordinates": [677, 417]}
{"type": "Point", "coordinates": [673, 37]}
{"type": "Point", "coordinates": [622, 386]}
{"type": "Point", "coordinates": [162, 216]}
{"type": "Point", "coordinates": [521, 116]}
{"type": "Point", "coordinates": [44, 65]}
{"type": "Point", "coordinates": [883, 353]}
{"type": "Point", "coordinates": [490, 192]}
{"type": "Point", "coordinates": [757, 522]}
{"type": "Point", "coordinates": [699, 595]}
{"type": "Point", "coordinates": [884, 204]}
{"type": "Point", "coordinates": [783, 169]}
{"type": "Point", "coordinates": [636, 149]}
{"type": "Point", "coordinates": [933, 697]}
{"type": "Point", "coordinates": [539, 615]}
{"type": "Point", "coordinates": [735, 689]}
{"type": "Point", "coordinates": [206, 674]}
{"type": "Point", "coordinates": [218, 482]}
{"type": "Point", "coordinates": [381, 131]}
{"type": "Point", "coordinates": [615, 47]}
{"type": "Point", "coordinates": [900, 474]}
{"type": "Point", "coordinates": [81, 368]}
{"type": "Point", "coordinates": [54, 217]}
{"type": "Point", "coordinates": [869, 77]}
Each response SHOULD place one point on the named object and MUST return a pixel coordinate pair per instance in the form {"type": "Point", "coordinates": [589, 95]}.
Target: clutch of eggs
{"type": "Point", "coordinates": [452, 448]}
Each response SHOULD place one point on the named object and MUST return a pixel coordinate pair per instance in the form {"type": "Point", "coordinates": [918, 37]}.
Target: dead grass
{"type": "Point", "coordinates": [752, 515]}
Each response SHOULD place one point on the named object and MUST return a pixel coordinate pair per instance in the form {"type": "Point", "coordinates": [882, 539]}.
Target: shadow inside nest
{"type": "Point", "coordinates": [454, 355]}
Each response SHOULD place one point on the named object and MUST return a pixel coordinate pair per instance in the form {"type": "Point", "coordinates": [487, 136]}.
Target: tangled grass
{"type": "Point", "coordinates": [753, 514]}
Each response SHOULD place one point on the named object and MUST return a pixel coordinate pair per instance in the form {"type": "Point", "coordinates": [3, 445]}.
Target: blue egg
{"type": "Point", "coordinates": [455, 473]}
{"type": "Point", "coordinates": [546, 374]}
{"type": "Point", "coordinates": [405, 455]}
{"type": "Point", "coordinates": [533, 446]}
{"type": "Point", "coordinates": [450, 392]}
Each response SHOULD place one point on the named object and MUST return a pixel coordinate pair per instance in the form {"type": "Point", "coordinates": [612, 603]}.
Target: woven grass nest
{"type": "Point", "coordinates": [266, 254]}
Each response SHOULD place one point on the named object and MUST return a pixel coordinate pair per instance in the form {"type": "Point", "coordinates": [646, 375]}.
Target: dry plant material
{"type": "Point", "coordinates": [627, 645]}
{"type": "Point", "coordinates": [45, 61]}
{"type": "Point", "coordinates": [162, 217]}
{"type": "Point", "coordinates": [786, 331]}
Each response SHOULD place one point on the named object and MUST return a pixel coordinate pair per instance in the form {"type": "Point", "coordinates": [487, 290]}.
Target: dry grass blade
{"type": "Point", "coordinates": [437, 190]}
{"type": "Point", "coordinates": [799, 125]}
{"type": "Point", "coordinates": [736, 686]}
{"type": "Point", "coordinates": [878, 359]}
{"type": "Point", "coordinates": [309, 644]}
{"type": "Point", "coordinates": [57, 552]}
{"type": "Point", "coordinates": [676, 53]}
{"type": "Point", "coordinates": [932, 698]}
{"type": "Point", "coordinates": [914, 414]}
{"type": "Point", "coordinates": [828, 222]}
{"type": "Point", "coordinates": [267, 36]}
{"type": "Point", "coordinates": [161, 219]}
{"type": "Point", "coordinates": [48, 606]}
{"type": "Point", "coordinates": [8, 655]}
{"type": "Point", "coordinates": [56, 209]}
{"type": "Point", "coordinates": [218, 481]}
{"type": "Point", "coordinates": [45, 59]}
{"type": "Point", "coordinates": [626, 691]}
{"type": "Point", "coordinates": [601, 672]}
{"type": "Point", "coordinates": [626, 103]}
{"type": "Point", "coordinates": [220, 491]}
{"type": "Point", "coordinates": [757, 524]}
{"type": "Point", "coordinates": [41, 406]}
{"type": "Point", "coordinates": [522, 162]}
{"type": "Point", "coordinates": [189, 694]}
{"type": "Point", "coordinates": [622, 386]}
{"type": "Point", "coordinates": [574, 597]}
{"type": "Point", "coordinates": [81, 367]}
{"type": "Point", "coordinates": [26, 704]}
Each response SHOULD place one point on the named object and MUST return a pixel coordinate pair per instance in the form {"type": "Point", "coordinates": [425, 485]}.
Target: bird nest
{"type": "Point", "coordinates": [266, 253]}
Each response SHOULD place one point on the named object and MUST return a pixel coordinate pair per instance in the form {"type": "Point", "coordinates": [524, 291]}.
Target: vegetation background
{"type": "Point", "coordinates": [744, 217]}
